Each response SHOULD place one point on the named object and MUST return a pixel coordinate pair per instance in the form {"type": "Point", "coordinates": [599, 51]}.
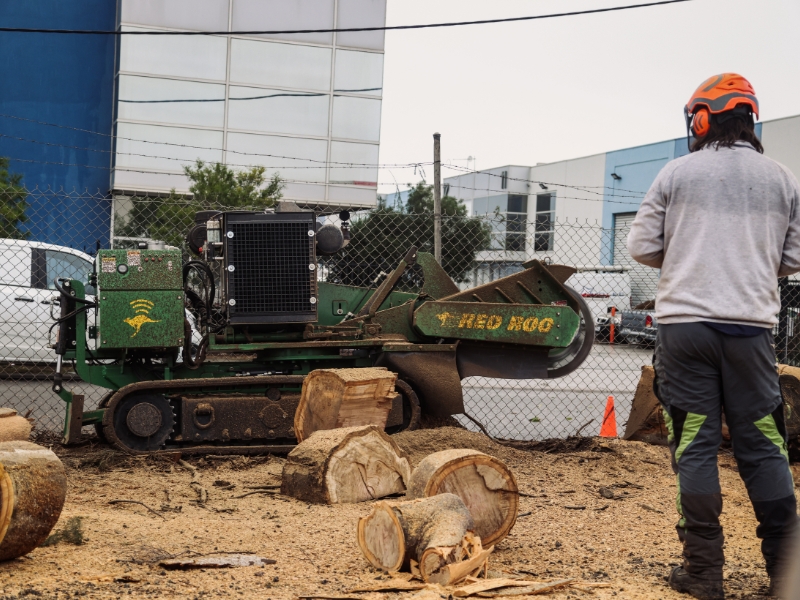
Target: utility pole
{"type": "Point", "coordinates": [437, 197]}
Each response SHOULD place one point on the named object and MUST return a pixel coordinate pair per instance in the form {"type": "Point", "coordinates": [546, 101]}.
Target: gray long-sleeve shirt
{"type": "Point", "coordinates": [722, 224]}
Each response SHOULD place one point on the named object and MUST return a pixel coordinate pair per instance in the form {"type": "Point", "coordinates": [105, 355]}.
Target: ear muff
{"type": "Point", "coordinates": [700, 122]}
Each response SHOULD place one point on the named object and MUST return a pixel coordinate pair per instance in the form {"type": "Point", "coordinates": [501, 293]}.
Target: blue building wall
{"type": "Point", "coordinates": [637, 169]}
{"type": "Point", "coordinates": [66, 80]}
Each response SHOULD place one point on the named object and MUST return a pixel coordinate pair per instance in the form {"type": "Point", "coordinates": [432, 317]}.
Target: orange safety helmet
{"type": "Point", "coordinates": [719, 94]}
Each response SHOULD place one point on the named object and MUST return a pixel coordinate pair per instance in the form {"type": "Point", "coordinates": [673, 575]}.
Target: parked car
{"type": "Point", "coordinates": [27, 295]}
{"type": "Point", "coordinates": [638, 327]}
{"type": "Point", "coordinates": [603, 290]}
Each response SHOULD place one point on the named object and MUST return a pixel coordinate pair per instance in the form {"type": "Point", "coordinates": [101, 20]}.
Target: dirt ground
{"type": "Point", "coordinates": [567, 528]}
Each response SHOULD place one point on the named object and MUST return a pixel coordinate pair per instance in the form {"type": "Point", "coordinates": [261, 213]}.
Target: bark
{"type": "Point", "coordinates": [32, 492]}
{"type": "Point", "coordinates": [351, 464]}
{"type": "Point", "coordinates": [334, 398]}
{"type": "Point", "coordinates": [13, 426]}
{"type": "Point", "coordinates": [435, 535]}
{"type": "Point", "coordinates": [483, 482]}
{"type": "Point", "coordinates": [646, 421]}
{"type": "Point", "coordinates": [790, 390]}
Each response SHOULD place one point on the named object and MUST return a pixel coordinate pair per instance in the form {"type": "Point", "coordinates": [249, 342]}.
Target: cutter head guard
{"type": "Point", "coordinates": [726, 93]}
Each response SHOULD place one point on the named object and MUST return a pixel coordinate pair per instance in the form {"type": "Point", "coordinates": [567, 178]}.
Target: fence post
{"type": "Point", "coordinates": [437, 198]}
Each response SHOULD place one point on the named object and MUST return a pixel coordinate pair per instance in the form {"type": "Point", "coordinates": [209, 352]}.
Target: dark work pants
{"type": "Point", "coordinates": [701, 372]}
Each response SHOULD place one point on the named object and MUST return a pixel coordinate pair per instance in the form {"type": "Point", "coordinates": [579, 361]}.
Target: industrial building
{"type": "Point", "coordinates": [601, 192]}
{"type": "Point", "coordinates": [120, 115]}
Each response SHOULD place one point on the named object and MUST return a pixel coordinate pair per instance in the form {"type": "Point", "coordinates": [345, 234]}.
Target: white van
{"type": "Point", "coordinates": [27, 294]}
{"type": "Point", "coordinates": [602, 287]}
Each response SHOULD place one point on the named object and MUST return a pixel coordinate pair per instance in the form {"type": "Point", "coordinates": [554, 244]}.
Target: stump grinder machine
{"type": "Point", "coordinates": [208, 355]}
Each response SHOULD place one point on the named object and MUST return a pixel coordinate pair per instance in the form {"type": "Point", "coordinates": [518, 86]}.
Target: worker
{"type": "Point", "coordinates": [723, 224]}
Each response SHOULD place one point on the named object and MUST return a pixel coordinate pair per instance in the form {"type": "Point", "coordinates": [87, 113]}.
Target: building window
{"type": "Point", "coordinates": [545, 219]}
{"type": "Point", "coordinates": [516, 218]}
{"type": "Point", "coordinates": [446, 190]}
{"type": "Point", "coordinates": [504, 180]}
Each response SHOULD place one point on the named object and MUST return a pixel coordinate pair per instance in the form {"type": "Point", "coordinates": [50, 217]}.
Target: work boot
{"type": "Point", "coordinates": [703, 589]}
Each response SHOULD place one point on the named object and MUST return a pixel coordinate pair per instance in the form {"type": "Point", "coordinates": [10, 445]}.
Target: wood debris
{"type": "Point", "coordinates": [217, 562]}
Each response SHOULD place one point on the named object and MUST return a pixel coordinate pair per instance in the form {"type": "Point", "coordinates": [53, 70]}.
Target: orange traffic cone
{"type": "Point", "coordinates": [609, 426]}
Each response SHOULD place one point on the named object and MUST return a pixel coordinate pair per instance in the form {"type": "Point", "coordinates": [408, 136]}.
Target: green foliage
{"type": "Point", "coordinates": [13, 203]}
{"type": "Point", "coordinates": [214, 186]}
{"type": "Point", "coordinates": [382, 238]}
{"type": "Point", "coordinates": [72, 533]}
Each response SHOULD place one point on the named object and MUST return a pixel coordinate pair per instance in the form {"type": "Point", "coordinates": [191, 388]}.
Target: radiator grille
{"type": "Point", "coordinates": [271, 280]}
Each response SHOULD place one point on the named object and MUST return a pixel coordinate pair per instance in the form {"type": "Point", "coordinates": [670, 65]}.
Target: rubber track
{"type": "Point", "coordinates": [213, 385]}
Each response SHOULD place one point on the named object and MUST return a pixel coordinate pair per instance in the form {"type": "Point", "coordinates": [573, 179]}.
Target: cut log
{"type": "Point", "coordinates": [334, 398]}
{"type": "Point", "coordinates": [790, 390]}
{"type": "Point", "coordinates": [32, 492]}
{"type": "Point", "coordinates": [13, 426]}
{"type": "Point", "coordinates": [436, 533]}
{"type": "Point", "coordinates": [483, 482]}
{"type": "Point", "coordinates": [350, 464]}
{"type": "Point", "coordinates": [646, 420]}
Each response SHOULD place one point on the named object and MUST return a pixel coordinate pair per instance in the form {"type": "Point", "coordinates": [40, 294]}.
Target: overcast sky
{"type": "Point", "coordinates": [542, 91]}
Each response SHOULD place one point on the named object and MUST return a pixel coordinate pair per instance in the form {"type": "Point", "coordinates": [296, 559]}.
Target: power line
{"type": "Point", "coordinates": [186, 160]}
{"type": "Point", "coordinates": [342, 29]}
{"type": "Point", "coordinates": [587, 189]}
{"type": "Point", "coordinates": [119, 137]}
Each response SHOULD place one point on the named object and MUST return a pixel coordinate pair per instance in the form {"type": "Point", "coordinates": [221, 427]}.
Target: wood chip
{"type": "Point", "coordinates": [534, 590]}
{"type": "Point", "coordinates": [491, 584]}
{"type": "Point", "coordinates": [217, 562]}
{"type": "Point", "coordinates": [393, 585]}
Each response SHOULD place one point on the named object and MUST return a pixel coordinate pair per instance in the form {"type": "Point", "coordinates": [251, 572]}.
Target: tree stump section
{"type": "Point", "coordinates": [13, 426]}
{"type": "Point", "coordinates": [646, 420]}
{"type": "Point", "coordinates": [32, 492]}
{"type": "Point", "coordinates": [351, 464]}
{"type": "Point", "coordinates": [333, 398]}
{"type": "Point", "coordinates": [434, 535]}
{"type": "Point", "coordinates": [484, 483]}
{"type": "Point", "coordinates": [790, 390]}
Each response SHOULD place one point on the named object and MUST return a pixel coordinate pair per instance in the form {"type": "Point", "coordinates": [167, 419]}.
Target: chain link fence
{"type": "Point", "coordinates": [475, 250]}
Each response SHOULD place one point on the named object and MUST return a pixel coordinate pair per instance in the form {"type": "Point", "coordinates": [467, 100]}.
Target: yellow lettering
{"type": "Point", "coordinates": [480, 321]}
{"type": "Point", "coordinates": [530, 324]}
{"type": "Point", "coordinates": [515, 324]}
{"type": "Point", "coordinates": [443, 318]}
{"type": "Point", "coordinates": [466, 321]}
{"type": "Point", "coordinates": [546, 325]}
{"type": "Point", "coordinates": [494, 322]}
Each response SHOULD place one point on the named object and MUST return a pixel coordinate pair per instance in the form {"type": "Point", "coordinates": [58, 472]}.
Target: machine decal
{"type": "Point", "coordinates": [142, 307]}
{"type": "Point", "coordinates": [108, 264]}
{"type": "Point", "coordinates": [487, 321]}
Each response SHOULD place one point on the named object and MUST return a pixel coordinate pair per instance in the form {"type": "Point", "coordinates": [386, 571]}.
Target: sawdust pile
{"type": "Point", "coordinates": [597, 510]}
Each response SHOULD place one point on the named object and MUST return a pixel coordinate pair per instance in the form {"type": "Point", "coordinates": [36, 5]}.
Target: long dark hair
{"type": "Point", "coordinates": [726, 134]}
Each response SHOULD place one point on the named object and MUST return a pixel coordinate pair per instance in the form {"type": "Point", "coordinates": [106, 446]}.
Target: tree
{"type": "Point", "coordinates": [382, 238]}
{"type": "Point", "coordinates": [13, 196]}
{"type": "Point", "coordinates": [214, 186]}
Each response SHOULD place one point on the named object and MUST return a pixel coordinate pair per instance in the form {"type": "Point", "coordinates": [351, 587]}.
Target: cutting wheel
{"type": "Point", "coordinates": [562, 361]}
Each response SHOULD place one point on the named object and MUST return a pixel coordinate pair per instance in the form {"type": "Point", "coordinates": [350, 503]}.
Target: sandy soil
{"type": "Point", "coordinates": [569, 529]}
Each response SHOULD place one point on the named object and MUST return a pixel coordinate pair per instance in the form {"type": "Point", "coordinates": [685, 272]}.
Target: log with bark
{"type": "Point", "coordinates": [333, 398]}
{"type": "Point", "coordinates": [483, 482]}
{"type": "Point", "coordinates": [646, 421]}
{"type": "Point", "coordinates": [350, 464]}
{"type": "Point", "coordinates": [434, 535]}
{"type": "Point", "coordinates": [33, 488]}
{"type": "Point", "coordinates": [13, 426]}
{"type": "Point", "coordinates": [790, 390]}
